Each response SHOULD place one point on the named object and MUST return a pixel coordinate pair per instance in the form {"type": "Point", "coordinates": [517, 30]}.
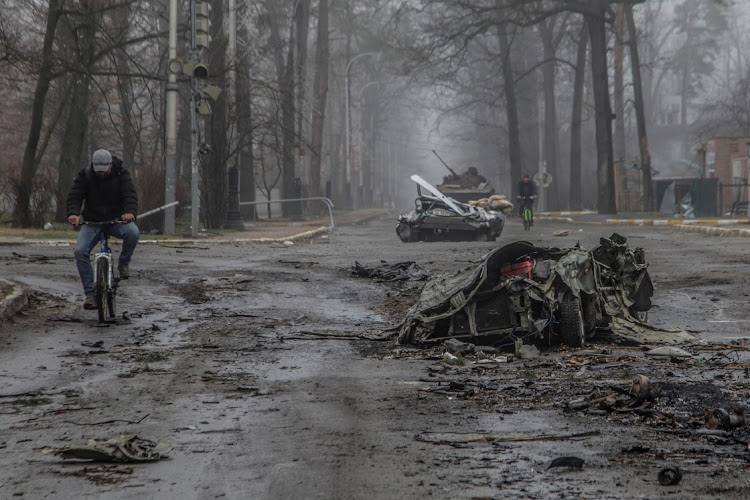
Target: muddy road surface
{"type": "Point", "coordinates": [270, 373]}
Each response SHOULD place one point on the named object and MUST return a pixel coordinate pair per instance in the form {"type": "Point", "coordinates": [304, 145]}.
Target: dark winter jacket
{"type": "Point", "coordinates": [99, 200]}
{"type": "Point", "coordinates": [526, 188]}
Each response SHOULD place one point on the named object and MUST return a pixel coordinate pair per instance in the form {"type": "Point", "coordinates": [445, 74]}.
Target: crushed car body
{"type": "Point", "coordinates": [437, 217]}
{"type": "Point", "coordinates": [540, 295]}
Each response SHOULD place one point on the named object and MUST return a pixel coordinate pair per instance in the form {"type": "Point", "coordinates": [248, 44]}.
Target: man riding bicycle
{"type": "Point", "coordinates": [101, 192]}
{"type": "Point", "coordinates": [526, 192]}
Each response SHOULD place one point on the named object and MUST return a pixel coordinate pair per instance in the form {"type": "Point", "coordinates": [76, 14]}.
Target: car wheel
{"type": "Point", "coordinates": [588, 309]}
{"type": "Point", "coordinates": [571, 321]}
{"type": "Point", "coordinates": [406, 233]}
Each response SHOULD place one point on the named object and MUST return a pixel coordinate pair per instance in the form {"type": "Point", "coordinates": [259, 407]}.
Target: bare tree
{"type": "Point", "coordinates": [22, 212]}
{"type": "Point", "coordinates": [575, 121]}
{"type": "Point", "coordinates": [635, 60]}
{"type": "Point", "coordinates": [320, 93]}
{"type": "Point", "coordinates": [596, 18]}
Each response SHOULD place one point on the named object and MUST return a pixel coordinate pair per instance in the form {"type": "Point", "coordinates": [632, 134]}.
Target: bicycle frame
{"type": "Point", "coordinates": [105, 295]}
{"type": "Point", "coordinates": [527, 212]}
{"type": "Point", "coordinates": [105, 254]}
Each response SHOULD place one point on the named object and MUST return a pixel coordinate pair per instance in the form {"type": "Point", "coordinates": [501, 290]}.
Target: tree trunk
{"type": "Point", "coordinates": [213, 202]}
{"type": "Point", "coordinates": [550, 116]}
{"type": "Point", "coordinates": [245, 130]}
{"type": "Point", "coordinates": [125, 87]}
{"type": "Point", "coordinates": [320, 94]}
{"type": "Point", "coordinates": [286, 94]}
{"type": "Point", "coordinates": [576, 119]}
{"type": "Point", "coordinates": [687, 60]}
{"type": "Point", "coordinates": [72, 155]}
{"type": "Point", "coordinates": [302, 16]}
{"type": "Point", "coordinates": [22, 210]}
{"type": "Point", "coordinates": [640, 113]}
{"type": "Point", "coordinates": [511, 106]}
{"type": "Point", "coordinates": [605, 172]}
{"type": "Point", "coordinates": [619, 88]}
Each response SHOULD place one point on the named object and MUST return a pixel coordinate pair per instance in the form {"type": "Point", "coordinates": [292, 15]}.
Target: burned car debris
{"type": "Point", "coordinates": [437, 217]}
{"type": "Point", "coordinates": [540, 295]}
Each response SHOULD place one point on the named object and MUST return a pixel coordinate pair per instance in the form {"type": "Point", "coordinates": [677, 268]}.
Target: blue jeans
{"type": "Point", "coordinates": [87, 240]}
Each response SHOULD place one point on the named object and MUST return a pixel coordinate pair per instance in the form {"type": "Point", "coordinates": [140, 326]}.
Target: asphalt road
{"type": "Point", "coordinates": [257, 364]}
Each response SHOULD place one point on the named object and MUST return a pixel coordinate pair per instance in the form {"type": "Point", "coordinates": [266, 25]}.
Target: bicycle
{"type": "Point", "coordinates": [527, 212]}
{"type": "Point", "coordinates": [105, 282]}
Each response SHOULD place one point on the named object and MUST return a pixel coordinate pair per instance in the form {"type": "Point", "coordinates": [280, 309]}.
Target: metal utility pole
{"type": "Point", "coordinates": [171, 125]}
{"type": "Point", "coordinates": [195, 176]}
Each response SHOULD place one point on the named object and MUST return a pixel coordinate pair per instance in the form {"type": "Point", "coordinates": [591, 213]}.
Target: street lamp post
{"type": "Point", "coordinates": [171, 125]}
{"type": "Point", "coordinates": [346, 118]}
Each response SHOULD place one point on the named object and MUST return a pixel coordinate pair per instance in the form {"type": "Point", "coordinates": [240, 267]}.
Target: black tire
{"type": "Point", "coordinates": [588, 308]}
{"type": "Point", "coordinates": [111, 305]}
{"type": "Point", "coordinates": [102, 298]}
{"type": "Point", "coordinates": [571, 321]}
{"type": "Point", "coordinates": [485, 236]}
{"type": "Point", "coordinates": [407, 234]}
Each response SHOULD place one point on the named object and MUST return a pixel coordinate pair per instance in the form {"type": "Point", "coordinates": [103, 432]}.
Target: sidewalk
{"type": "Point", "coordinates": [716, 226]}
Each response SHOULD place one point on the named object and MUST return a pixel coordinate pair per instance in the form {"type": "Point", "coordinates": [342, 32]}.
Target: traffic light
{"type": "Point", "coordinates": [188, 68]}
{"type": "Point", "coordinates": [202, 24]}
{"type": "Point", "coordinates": [206, 95]}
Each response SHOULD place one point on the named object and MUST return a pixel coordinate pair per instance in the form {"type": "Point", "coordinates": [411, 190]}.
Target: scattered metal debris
{"type": "Point", "coordinates": [669, 476]}
{"type": "Point", "coordinates": [720, 418]}
{"type": "Point", "coordinates": [640, 395]}
{"type": "Point", "coordinates": [123, 448]}
{"type": "Point", "coordinates": [453, 438]}
{"type": "Point", "coordinates": [401, 271]}
{"type": "Point", "coordinates": [669, 352]}
{"type": "Point", "coordinates": [569, 462]}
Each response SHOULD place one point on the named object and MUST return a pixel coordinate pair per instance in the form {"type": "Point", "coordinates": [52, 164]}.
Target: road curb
{"type": "Point", "coordinates": [294, 237]}
{"type": "Point", "coordinates": [720, 231]}
{"type": "Point", "coordinates": [306, 235]}
{"type": "Point", "coordinates": [566, 213]}
{"type": "Point", "coordinates": [14, 301]}
{"type": "Point", "coordinates": [676, 222]}
{"type": "Point", "coordinates": [554, 219]}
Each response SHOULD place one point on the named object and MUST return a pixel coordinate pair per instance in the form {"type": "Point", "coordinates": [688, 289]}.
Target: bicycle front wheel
{"type": "Point", "coordinates": [102, 294]}
{"type": "Point", "coordinates": [111, 305]}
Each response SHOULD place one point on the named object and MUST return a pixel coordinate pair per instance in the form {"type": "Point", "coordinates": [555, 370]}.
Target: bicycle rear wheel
{"type": "Point", "coordinates": [527, 219]}
{"type": "Point", "coordinates": [102, 294]}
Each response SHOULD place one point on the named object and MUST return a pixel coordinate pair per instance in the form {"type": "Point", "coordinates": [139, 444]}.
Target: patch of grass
{"type": "Point", "coordinates": [529, 374]}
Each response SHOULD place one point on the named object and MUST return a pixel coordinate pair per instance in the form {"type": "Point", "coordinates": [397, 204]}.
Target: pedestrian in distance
{"type": "Point", "coordinates": [103, 191]}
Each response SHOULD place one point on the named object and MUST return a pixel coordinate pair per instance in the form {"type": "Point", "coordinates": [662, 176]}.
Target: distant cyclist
{"type": "Point", "coordinates": [526, 192]}
{"type": "Point", "coordinates": [101, 192]}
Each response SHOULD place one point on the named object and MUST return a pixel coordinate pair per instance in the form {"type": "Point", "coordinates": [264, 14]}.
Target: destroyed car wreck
{"type": "Point", "coordinates": [437, 217]}
{"type": "Point", "coordinates": [540, 295]}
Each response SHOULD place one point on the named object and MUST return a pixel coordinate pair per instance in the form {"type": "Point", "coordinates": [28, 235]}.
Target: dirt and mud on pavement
{"type": "Point", "coordinates": [272, 371]}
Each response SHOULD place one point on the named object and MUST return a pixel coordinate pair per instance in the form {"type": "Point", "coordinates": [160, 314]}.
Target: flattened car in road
{"type": "Point", "coordinates": [437, 217]}
{"type": "Point", "coordinates": [540, 295]}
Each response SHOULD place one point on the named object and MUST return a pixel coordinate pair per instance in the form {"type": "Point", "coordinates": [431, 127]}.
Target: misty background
{"type": "Point", "coordinates": [507, 86]}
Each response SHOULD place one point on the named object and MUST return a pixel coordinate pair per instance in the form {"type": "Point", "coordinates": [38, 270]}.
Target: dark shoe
{"type": "Point", "coordinates": [124, 271]}
{"type": "Point", "coordinates": [89, 303]}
